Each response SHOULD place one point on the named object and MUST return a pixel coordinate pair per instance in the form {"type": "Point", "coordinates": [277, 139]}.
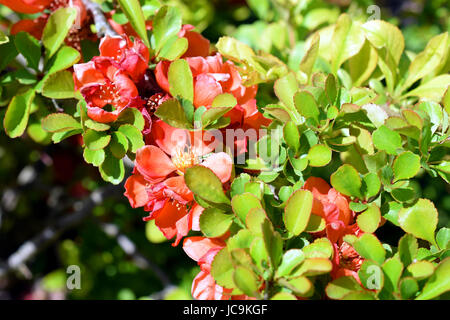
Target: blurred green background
{"type": "Point", "coordinates": [120, 256]}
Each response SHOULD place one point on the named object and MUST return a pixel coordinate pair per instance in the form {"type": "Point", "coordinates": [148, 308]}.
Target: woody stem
{"type": "Point", "coordinates": [101, 24]}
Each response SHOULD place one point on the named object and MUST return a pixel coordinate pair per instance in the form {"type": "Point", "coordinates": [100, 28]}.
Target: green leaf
{"type": "Point", "coordinates": [347, 41]}
{"type": "Point", "coordinates": [408, 287]}
{"type": "Point", "coordinates": [433, 89]}
{"type": "Point", "coordinates": [420, 220]}
{"type": "Point", "coordinates": [246, 280]}
{"type": "Point", "coordinates": [205, 184]}
{"type": "Point", "coordinates": [214, 222]}
{"type": "Point", "coordinates": [8, 52]}
{"type": "Point", "coordinates": [273, 244]}
{"type": "Point", "coordinates": [238, 184]}
{"type": "Point", "coordinates": [371, 185]}
{"type": "Point", "coordinates": [133, 11]}
{"type": "Point", "coordinates": [243, 203]}
{"type": "Point", "coordinates": [254, 220]}
{"type": "Point", "coordinates": [291, 259]}
{"type": "Point", "coordinates": [392, 270]}
{"type": "Point", "coordinates": [443, 238]}
{"type": "Point", "coordinates": [369, 220]}
{"type": "Point", "coordinates": [134, 136]}
{"type": "Point", "coordinates": [439, 283]}
{"type": "Point", "coordinates": [342, 286]}
{"type": "Point", "coordinates": [406, 166]}
{"type": "Point", "coordinates": [118, 145]}
{"type": "Point", "coordinates": [57, 137]}
{"type": "Point", "coordinates": [315, 224]}
{"type": "Point", "coordinates": [310, 57]}
{"type": "Point", "coordinates": [371, 275]}
{"type": "Point", "coordinates": [297, 211]}
{"type": "Point", "coordinates": [97, 126]}
{"type": "Point", "coordinates": [291, 135]}
{"type": "Point", "coordinates": [428, 60]}
{"type": "Point", "coordinates": [213, 114]}
{"type": "Point", "coordinates": [421, 269]}
{"type": "Point", "coordinates": [38, 134]}
{"type": "Point", "coordinates": [387, 140]}
{"type": "Point", "coordinates": [407, 249]}
{"type": "Point", "coordinates": [389, 41]}
{"type": "Point", "coordinates": [174, 48]}
{"type": "Point", "coordinates": [130, 116]}
{"type": "Point", "coordinates": [301, 286]}
{"type": "Point", "coordinates": [319, 155]}
{"type": "Point", "coordinates": [369, 247]}
{"type": "Point", "coordinates": [153, 234]}
{"type": "Point", "coordinates": [283, 296]}
{"type": "Point", "coordinates": [307, 105]}
{"type": "Point", "coordinates": [112, 169]}
{"type": "Point", "coordinates": [94, 157]}
{"type": "Point", "coordinates": [180, 80]}
{"type": "Point", "coordinates": [172, 113]}
{"type": "Point", "coordinates": [241, 240]}
{"type": "Point", "coordinates": [16, 117]}
{"type": "Point", "coordinates": [235, 50]}
{"type": "Point", "coordinates": [320, 248]}
{"type": "Point", "coordinates": [360, 295]}
{"type": "Point", "coordinates": [3, 38]}
{"type": "Point", "coordinates": [222, 269]}
{"type": "Point", "coordinates": [57, 28]}
{"type": "Point", "coordinates": [285, 89]}
{"type": "Point", "coordinates": [96, 140]}
{"type": "Point", "coordinates": [59, 85]}
{"type": "Point", "coordinates": [346, 180]}
{"type": "Point", "coordinates": [166, 24]}
{"type": "Point", "coordinates": [224, 100]}
{"type": "Point", "coordinates": [314, 267]}
{"type": "Point", "coordinates": [64, 58]}
{"type": "Point", "coordinates": [362, 65]}
{"type": "Point", "coordinates": [29, 47]}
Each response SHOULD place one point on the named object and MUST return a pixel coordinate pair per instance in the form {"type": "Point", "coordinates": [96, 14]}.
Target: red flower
{"type": "Point", "coordinates": [334, 208]}
{"type": "Point", "coordinates": [101, 83]}
{"type": "Point", "coordinates": [26, 6]}
{"type": "Point", "coordinates": [198, 46]}
{"type": "Point", "coordinates": [35, 27]}
{"type": "Point", "coordinates": [158, 182]}
{"type": "Point", "coordinates": [203, 250]}
{"type": "Point", "coordinates": [132, 58]}
{"type": "Point", "coordinates": [211, 77]}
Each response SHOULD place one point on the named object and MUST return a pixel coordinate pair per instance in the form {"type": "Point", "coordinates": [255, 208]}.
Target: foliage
{"type": "Point", "coordinates": [329, 94]}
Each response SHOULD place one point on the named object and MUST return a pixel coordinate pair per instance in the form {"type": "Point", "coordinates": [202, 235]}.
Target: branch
{"type": "Point", "coordinates": [32, 247]}
{"type": "Point", "coordinates": [101, 24]}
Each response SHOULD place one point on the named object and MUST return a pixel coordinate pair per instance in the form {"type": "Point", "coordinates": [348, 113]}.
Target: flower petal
{"type": "Point", "coordinates": [173, 220]}
{"type": "Point", "coordinates": [29, 7]}
{"type": "Point", "coordinates": [168, 138]}
{"type": "Point", "coordinates": [136, 191]}
{"type": "Point", "coordinates": [205, 288]}
{"type": "Point", "coordinates": [221, 164]}
{"type": "Point", "coordinates": [206, 88]}
{"type": "Point", "coordinates": [153, 163]}
{"type": "Point", "coordinates": [197, 247]}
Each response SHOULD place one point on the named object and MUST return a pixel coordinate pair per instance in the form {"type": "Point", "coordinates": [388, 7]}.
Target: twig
{"type": "Point", "coordinates": [101, 24]}
{"type": "Point", "coordinates": [139, 259]}
{"type": "Point", "coordinates": [30, 248]}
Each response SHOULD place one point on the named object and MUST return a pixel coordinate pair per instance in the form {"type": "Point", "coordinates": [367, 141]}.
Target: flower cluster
{"type": "Point", "coordinates": [35, 27]}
